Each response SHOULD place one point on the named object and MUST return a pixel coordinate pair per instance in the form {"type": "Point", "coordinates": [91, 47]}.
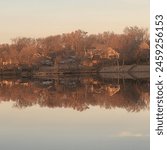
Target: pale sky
{"type": "Point", "coordinates": [41, 18]}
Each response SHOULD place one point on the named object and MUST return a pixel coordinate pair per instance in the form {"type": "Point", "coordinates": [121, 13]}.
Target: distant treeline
{"type": "Point", "coordinates": [132, 46]}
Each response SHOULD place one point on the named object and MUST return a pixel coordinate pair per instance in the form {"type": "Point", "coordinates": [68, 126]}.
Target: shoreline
{"type": "Point", "coordinates": [126, 71]}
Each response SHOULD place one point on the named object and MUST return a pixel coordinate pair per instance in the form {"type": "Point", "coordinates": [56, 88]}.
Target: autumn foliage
{"type": "Point", "coordinates": [132, 46]}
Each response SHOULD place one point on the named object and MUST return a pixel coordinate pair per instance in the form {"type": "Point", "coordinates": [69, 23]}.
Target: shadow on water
{"type": "Point", "coordinates": [77, 92]}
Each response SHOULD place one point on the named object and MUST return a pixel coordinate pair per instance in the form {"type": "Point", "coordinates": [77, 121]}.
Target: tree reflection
{"type": "Point", "coordinates": [77, 92]}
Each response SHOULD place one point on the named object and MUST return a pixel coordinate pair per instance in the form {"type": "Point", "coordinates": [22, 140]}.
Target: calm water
{"type": "Point", "coordinates": [74, 113]}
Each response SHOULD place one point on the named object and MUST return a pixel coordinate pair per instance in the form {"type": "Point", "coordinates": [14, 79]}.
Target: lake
{"type": "Point", "coordinates": [74, 113]}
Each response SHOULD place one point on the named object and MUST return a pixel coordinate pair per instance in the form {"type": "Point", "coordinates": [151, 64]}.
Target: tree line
{"type": "Point", "coordinates": [132, 46]}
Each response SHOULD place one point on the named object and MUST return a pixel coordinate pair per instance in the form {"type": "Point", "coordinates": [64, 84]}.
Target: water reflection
{"type": "Point", "coordinates": [77, 92]}
{"type": "Point", "coordinates": [107, 121]}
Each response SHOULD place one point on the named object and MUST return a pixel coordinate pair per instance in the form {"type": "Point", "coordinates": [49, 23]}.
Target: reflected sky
{"type": "Point", "coordinates": [40, 126]}
{"type": "Point", "coordinates": [95, 129]}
